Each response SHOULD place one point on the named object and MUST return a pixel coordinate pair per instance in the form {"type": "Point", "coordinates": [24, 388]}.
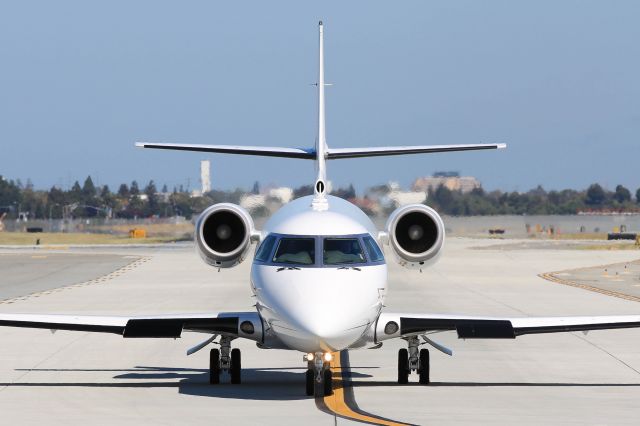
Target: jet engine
{"type": "Point", "coordinates": [223, 235]}
{"type": "Point", "coordinates": [416, 235]}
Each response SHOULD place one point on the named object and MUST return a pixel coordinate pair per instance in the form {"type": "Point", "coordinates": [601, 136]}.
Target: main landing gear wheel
{"type": "Point", "coordinates": [214, 366]}
{"type": "Point", "coordinates": [311, 383]}
{"type": "Point", "coordinates": [236, 366]}
{"type": "Point", "coordinates": [327, 382]}
{"type": "Point", "coordinates": [423, 369]}
{"type": "Point", "coordinates": [403, 366]}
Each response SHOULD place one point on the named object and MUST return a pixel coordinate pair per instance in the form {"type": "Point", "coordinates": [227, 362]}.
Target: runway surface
{"type": "Point", "coordinates": [76, 378]}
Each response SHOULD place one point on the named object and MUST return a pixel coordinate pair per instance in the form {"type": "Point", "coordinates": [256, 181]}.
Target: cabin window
{"type": "Point", "coordinates": [375, 254]}
{"type": "Point", "coordinates": [299, 251]}
{"type": "Point", "coordinates": [265, 249]}
{"type": "Point", "coordinates": [338, 251]}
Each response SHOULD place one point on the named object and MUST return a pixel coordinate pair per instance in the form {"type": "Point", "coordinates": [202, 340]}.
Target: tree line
{"type": "Point", "coordinates": [537, 201]}
{"type": "Point", "coordinates": [132, 201]}
{"type": "Point", "coordinates": [88, 200]}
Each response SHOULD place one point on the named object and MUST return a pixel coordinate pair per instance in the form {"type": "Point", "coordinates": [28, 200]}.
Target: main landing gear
{"type": "Point", "coordinates": [319, 378]}
{"type": "Point", "coordinates": [411, 360]}
{"type": "Point", "coordinates": [225, 359]}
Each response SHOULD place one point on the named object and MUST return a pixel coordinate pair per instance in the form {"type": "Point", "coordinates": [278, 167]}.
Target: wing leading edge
{"type": "Point", "coordinates": [495, 328]}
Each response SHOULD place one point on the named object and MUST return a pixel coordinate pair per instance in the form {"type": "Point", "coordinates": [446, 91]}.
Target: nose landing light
{"type": "Point", "coordinates": [327, 356]}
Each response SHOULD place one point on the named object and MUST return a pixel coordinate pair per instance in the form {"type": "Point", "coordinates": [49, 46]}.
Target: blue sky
{"type": "Point", "coordinates": [557, 81]}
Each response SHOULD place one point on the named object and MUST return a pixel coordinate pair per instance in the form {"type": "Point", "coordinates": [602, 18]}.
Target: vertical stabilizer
{"type": "Point", "coordinates": [321, 141]}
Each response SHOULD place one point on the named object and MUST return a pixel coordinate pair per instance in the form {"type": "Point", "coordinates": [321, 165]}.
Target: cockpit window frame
{"type": "Point", "coordinates": [319, 252]}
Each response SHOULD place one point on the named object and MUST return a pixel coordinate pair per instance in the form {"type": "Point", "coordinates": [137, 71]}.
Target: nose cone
{"type": "Point", "coordinates": [321, 308]}
{"type": "Point", "coordinates": [326, 321]}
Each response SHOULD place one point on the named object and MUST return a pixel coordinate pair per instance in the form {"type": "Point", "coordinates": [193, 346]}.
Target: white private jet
{"type": "Point", "coordinates": [319, 277]}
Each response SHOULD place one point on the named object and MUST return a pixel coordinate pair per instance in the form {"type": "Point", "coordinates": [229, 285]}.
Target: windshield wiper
{"type": "Point", "coordinates": [288, 268]}
{"type": "Point", "coordinates": [350, 267]}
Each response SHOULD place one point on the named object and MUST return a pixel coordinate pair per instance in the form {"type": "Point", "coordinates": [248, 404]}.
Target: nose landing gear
{"type": "Point", "coordinates": [225, 359]}
{"type": "Point", "coordinates": [411, 360]}
{"type": "Point", "coordinates": [319, 378]}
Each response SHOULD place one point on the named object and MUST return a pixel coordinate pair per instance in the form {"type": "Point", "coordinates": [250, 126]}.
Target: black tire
{"type": "Point", "coordinates": [311, 383]}
{"type": "Point", "coordinates": [403, 366]}
{"type": "Point", "coordinates": [236, 366]}
{"type": "Point", "coordinates": [327, 382]}
{"type": "Point", "coordinates": [214, 366]}
{"type": "Point", "coordinates": [423, 369]}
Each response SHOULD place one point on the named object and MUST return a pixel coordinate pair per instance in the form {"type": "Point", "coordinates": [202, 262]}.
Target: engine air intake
{"type": "Point", "coordinates": [224, 231]}
{"type": "Point", "coordinates": [416, 235]}
{"type": "Point", "coordinates": [223, 234]}
{"type": "Point", "coordinates": [416, 232]}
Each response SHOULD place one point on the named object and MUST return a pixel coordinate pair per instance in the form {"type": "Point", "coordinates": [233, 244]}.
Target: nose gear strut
{"type": "Point", "coordinates": [319, 378]}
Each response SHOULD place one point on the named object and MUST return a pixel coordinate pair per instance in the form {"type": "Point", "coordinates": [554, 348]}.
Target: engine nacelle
{"type": "Point", "coordinates": [416, 235]}
{"type": "Point", "coordinates": [223, 235]}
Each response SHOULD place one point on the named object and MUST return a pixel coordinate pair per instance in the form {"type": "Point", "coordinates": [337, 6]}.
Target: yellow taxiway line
{"type": "Point", "coordinates": [337, 402]}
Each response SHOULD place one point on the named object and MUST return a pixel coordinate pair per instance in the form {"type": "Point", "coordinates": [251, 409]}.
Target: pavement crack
{"type": "Point", "coordinates": [607, 352]}
{"type": "Point", "coordinates": [29, 370]}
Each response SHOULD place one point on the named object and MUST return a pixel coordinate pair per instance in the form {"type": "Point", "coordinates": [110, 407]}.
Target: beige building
{"type": "Point", "coordinates": [452, 181]}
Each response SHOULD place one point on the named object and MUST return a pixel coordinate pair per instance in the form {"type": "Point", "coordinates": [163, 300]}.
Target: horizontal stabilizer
{"type": "Point", "coordinates": [264, 151]}
{"type": "Point", "coordinates": [339, 153]}
{"type": "Point", "coordinates": [310, 153]}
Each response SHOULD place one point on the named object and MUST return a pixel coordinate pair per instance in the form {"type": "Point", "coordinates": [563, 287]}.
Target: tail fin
{"type": "Point", "coordinates": [321, 152]}
{"type": "Point", "coordinates": [321, 141]}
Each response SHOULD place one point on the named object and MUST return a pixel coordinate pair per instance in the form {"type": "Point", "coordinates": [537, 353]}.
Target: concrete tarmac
{"type": "Point", "coordinates": [74, 378]}
{"type": "Point", "coordinates": [24, 273]}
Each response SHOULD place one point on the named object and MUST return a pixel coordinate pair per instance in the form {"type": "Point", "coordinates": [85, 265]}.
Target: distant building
{"type": "Point", "coordinates": [402, 198]}
{"type": "Point", "coordinates": [282, 193]}
{"type": "Point", "coordinates": [368, 206]}
{"type": "Point", "coordinates": [205, 175]}
{"type": "Point", "coordinates": [391, 195]}
{"type": "Point", "coordinates": [450, 180]}
{"type": "Point", "coordinates": [252, 201]}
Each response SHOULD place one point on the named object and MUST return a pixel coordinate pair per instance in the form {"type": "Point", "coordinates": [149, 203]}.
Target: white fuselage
{"type": "Point", "coordinates": [322, 306]}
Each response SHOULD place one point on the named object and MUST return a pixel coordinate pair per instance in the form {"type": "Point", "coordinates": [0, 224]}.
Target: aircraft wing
{"type": "Point", "coordinates": [469, 327]}
{"type": "Point", "coordinates": [168, 326]}
{"type": "Point", "coordinates": [339, 153]}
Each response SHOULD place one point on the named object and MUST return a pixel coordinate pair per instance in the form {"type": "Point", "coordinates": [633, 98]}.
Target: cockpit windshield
{"type": "Point", "coordinates": [318, 251]}
{"type": "Point", "coordinates": [300, 251]}
{"type": "Point", "coordinates": [337, 251]}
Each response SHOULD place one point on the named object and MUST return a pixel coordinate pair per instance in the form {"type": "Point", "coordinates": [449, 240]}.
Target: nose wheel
{"type": "Point", "coordinates": [311, 383]}
{"type": "Point", "coordinates": [318, 377]}
{"type": "Point", "coordinates": [327, 382]}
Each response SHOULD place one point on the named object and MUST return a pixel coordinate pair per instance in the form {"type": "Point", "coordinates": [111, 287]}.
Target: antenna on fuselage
{"type": "Point", "coordinates": [320, 187]}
